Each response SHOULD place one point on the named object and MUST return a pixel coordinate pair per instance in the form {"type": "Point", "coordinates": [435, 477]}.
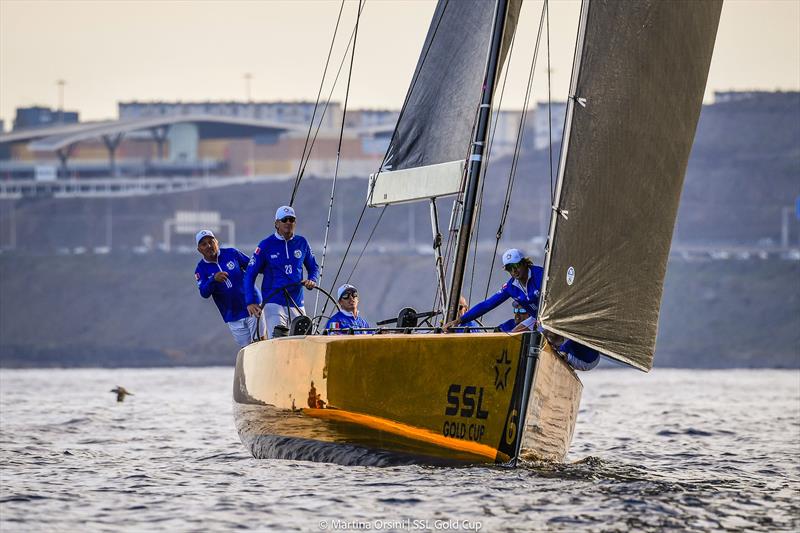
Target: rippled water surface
{"type": "Point", "coordinates": [690, 450]}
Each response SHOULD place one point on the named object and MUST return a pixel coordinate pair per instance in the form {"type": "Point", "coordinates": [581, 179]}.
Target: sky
{"type": "Point", "coordinates": [198, 50]}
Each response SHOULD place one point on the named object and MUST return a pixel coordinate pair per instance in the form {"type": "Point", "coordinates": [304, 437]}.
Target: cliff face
{"type": "Point", "coordinates": [128, 310]}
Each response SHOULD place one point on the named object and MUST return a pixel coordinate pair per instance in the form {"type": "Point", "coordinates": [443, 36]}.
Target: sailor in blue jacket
{"type": "Point", "coordinates": [220, 274]}
{"type": "Point", "coordinates": [348, 317]}
{"type": "Point", "coordinates": [468, 327]}
{"type": "Point", "coordinates": [280, 259]}
{"type": "Point", "coordinates": [520, 314]}
{"type": "Point", "coordinates": [523, 287]}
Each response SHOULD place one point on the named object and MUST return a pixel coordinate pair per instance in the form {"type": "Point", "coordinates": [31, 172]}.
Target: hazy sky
{"type": "Point", "coordinates": [113, 50]}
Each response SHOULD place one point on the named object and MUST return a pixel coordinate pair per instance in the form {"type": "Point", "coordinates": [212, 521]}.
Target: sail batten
{"type": "Point", "coordinates": [438, 117]}
{"type": "Point", "coordinates": [413, 184]}
{"type": "Point", "coordinates": [643, 70]}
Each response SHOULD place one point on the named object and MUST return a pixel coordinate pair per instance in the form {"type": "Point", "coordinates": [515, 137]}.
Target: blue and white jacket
{"type": "Point", "coordinates": [527, 297]}
{"type": "Point", "coordinates": [468, 328]}
{"type": "Point", "coordinates": [281, 263]}
{"type": "Point", "coordinates": [508, 325]}
{"type": "Point", "coordinates": [345, 320]}
{"type": "Point", "coordinates": [230, 294]}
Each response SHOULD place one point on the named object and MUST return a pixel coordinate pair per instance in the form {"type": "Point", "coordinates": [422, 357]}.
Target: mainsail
{"type": "Point", "coordinates": [636, 97]}
{"type": "Point", "coordinates": [427, 153]}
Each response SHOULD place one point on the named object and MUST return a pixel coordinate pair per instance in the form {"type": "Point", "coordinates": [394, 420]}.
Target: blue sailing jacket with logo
{"type": "Point", "coordinates": [345, 320]}
{"type": "Point", "coordinates": [281, 263]}
{"type": "Point", "coordinates": [229, 295]}
{"type": "Point", "coordinates": [526, 297]}
{"type": "Point", "coordinates": [508, 325]}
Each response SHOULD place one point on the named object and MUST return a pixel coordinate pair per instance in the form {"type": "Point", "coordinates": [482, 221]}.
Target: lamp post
{"type": "Point", "coordinates": [61, 84]}
{"type": "Point", "coordinates": [247, 78]}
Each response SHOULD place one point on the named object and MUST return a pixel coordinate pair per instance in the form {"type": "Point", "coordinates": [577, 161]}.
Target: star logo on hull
{"type": "Point", "coordinates": [502, 368]}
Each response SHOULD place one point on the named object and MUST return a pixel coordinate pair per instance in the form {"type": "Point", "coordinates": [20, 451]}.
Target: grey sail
{"type": "Point", "coordinates": [642, 71]}
{"type": "Point", "coordinates": [427, 153]}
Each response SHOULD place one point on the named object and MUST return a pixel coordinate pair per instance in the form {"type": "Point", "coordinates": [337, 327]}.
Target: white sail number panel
{"type": "Point", "coordinates": [413, 184]}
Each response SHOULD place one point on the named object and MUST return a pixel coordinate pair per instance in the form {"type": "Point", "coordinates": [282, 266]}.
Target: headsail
{"type": "Point", "coordinates": [431, 140]}
{"type": "Point", "coordinates": [643, 71]}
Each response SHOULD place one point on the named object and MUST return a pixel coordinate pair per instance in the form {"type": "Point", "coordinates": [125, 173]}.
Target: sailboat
{"type": "Point", "coordinates": [416, 395]}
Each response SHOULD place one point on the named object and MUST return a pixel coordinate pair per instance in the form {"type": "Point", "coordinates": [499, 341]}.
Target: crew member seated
{"type": "Point", "coordinates": [348, 317]}
{"type": "Point", "coordinates": [467, 327]}
{"type": "Point", "coordinates": [520, 314]}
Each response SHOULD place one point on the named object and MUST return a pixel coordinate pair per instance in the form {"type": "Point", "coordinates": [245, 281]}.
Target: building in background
{"type": "Point", "coordinates": [40, 117]}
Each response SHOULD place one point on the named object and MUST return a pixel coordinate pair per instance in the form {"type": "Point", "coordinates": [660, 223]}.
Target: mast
{"type": "Point", "coordinates": [476, 159]}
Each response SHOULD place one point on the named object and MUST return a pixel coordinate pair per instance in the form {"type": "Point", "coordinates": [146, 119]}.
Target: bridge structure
{"type": "Point", "coordinates": [183, 131]}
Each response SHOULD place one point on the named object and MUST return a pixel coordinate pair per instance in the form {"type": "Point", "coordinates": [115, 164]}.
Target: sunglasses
{"type": "Point", "coordinates": [520, 312]}
{"type": "Point", "coordinates": [511, 266]}
{"type": "Point", "coordinates": [349, 295]}
{"type": "Point", "coordinates": [287, 219]}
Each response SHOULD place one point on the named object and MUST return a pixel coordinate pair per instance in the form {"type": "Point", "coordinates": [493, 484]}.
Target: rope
{"type": "Point", "coordinates": [387, 157]}
{"type": "Point", "coordinates": [549, 110]}
{"type": "Point", "coordinates": [515, 160]}
{"type": "Point", "coordinates": [322, 116]}
{"type": "Point", "coordinates": [374, 227]}
{"type": "Point", "coordinates": [316, 106]}
{"type": "Point", "coordinates": [338, 152]}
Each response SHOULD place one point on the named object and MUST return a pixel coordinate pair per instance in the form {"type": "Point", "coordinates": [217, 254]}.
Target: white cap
{"type": "Point", "coordinates": [203, 233]}
{"type": "Point", "coordinates": [512, 255]}
{"type": "Point", "coordinates": [344, 288]}
{"type": "Point", "coordinates": [284, 211]}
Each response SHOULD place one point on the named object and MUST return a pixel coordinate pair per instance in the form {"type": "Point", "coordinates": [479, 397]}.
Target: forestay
{"type": "Point", "coordinates": [642, 72]}
{"type": "Point", "coordinates": [431, 139]}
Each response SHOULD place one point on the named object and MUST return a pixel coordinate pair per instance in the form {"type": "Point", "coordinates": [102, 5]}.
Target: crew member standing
{"type": "Point", "coordinates": [220, 274]}
{"type": "Point", "coordinates": [280, 259]}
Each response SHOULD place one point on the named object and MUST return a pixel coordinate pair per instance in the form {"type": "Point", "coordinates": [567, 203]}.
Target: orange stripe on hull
{"type": "Point", "coordinates": [411, 432]}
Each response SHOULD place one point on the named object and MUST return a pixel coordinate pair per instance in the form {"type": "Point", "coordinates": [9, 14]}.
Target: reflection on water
{"type": "Point", "coordinates": [693, 450]}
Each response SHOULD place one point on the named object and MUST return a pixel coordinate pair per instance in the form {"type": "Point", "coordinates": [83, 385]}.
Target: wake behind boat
{"type": "Point", "coordinates": [419, 396]}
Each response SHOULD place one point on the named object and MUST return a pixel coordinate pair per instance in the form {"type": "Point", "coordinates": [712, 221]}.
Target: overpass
{"type": "Point", "coordinates": [62, 139]}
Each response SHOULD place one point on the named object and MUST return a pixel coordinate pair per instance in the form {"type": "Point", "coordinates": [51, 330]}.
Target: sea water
{"type": "Point", "coordinates": [683, 449]}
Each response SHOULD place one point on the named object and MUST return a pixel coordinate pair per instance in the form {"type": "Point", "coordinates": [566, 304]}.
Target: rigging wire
{"type": "Point", "coordinates": [391, 141]}
{"type": "Point", "coordinates": [549, 111]}
{"type": "Point", "coordinates": [360, 255]}
{"type": "Point", "coordinates": [316, 105]}
{"type": "Point", "coordinates": [515, 160]}
{"type": "Point", "coordinates": [304, 163]}
{"type": "Point", "coordinates": [338, 151]}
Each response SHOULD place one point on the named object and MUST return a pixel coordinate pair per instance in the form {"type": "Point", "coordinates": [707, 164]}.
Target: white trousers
{"type": "Point", "coordinates": [275, 314]}
{"type": "Point", "coordinates": [245, 329]}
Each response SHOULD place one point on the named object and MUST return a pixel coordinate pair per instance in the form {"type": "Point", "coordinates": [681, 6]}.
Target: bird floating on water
{"type": "Point", "coordinates": [121, 393]}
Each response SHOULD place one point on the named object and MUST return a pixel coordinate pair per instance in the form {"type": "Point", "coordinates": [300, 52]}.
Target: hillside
{"type": "Point", "coordinates": [743, 170]}
{"type": "Point", "coordinates": [119, 310]}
